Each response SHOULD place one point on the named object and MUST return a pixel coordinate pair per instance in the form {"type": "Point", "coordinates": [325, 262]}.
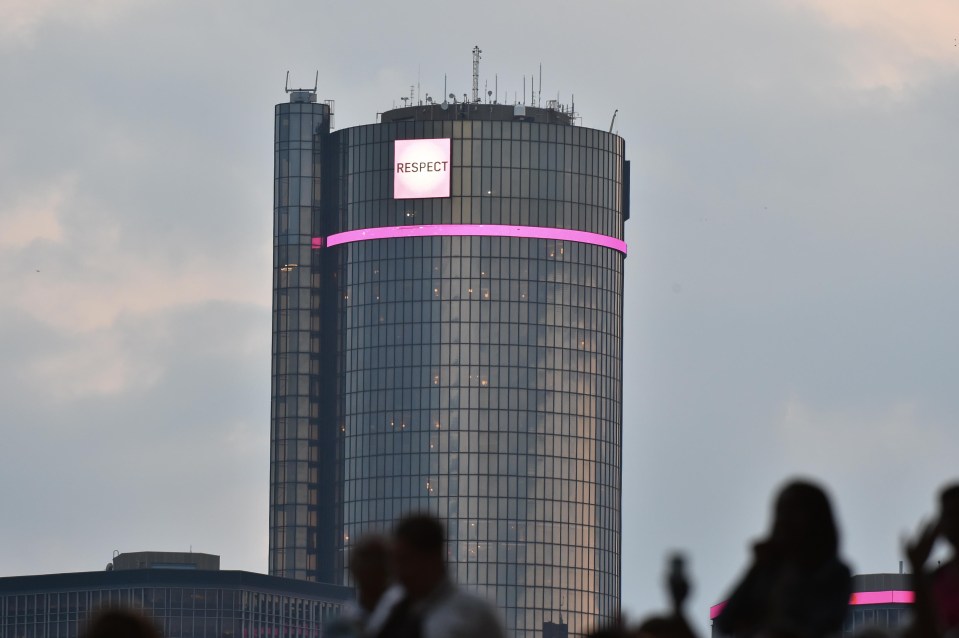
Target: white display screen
{"type": "Point", "coordinates": [421, 168]}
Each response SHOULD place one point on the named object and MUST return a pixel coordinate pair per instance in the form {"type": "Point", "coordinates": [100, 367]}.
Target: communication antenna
{"type": "Point", "coordinates": [476, 61]}
{"type": "Point", "coordinates": [613, 121]}
{"type": "Point", "coordinates": [496, 84]}
{"type": "Point", "coordinates": [539, 92]}
{"type": "Point", "coordinates": [316, 84]}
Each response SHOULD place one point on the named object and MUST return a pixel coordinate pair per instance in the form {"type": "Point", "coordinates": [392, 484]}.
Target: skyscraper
{"type": "Point", "coordinates": [447, 336]}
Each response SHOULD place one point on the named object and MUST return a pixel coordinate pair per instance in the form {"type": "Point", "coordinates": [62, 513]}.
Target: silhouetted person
{"type": "Point", "coordinates": [120, 623]}
{"type": "Point", "coordinates": [796, 586]}
{"type": "Point", "coordinates": [434, 607]}
{"type": "Point", "coordinates": [936, 610]}
{"type": "Point", "coordinates": [371, 564]}
{"type": "Point", "coordinates": [674, 625]}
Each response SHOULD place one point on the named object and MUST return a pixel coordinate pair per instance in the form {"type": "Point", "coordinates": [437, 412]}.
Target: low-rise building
{"type": "Point", "coordinates": [184, 594]}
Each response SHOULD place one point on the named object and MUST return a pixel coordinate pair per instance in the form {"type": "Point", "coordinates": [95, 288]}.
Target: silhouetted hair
{"type": "Point", "coordinates": [370, 552]}
{"type": "Point", "coordinates": [822, 540]}
{"type": "Point", "coordinates": [662, 627]}
{"type": "Point", "coordinates": [120, 623]}
{"type": "Point", "coordinates": [422, 532]}
{"type": "Point", "coordinates": [949, 493]}
{"type": "Point", "coordinates": [610, 631]}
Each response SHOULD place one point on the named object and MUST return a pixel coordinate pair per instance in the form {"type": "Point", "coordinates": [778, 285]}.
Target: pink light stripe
{"type": "Point", "coordinates": [471, 230]}
{"type": "Point", "coordinates": [882, 597]}
{"type": "Point", "coordinates": [858, 598]}
{"type": "Point", "coordinates": [717, 609]}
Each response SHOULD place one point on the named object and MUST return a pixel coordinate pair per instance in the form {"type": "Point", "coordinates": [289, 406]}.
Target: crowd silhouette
{"type": "Point", "coordinates": [796, 585]}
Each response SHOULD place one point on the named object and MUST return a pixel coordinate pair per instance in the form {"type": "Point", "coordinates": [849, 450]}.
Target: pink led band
{"type": "Point", "coordinates": [858, 598]}
{"type": "Point", "coordinates": [882, 597]}
{"type": "Point", "coordinates": [471, 230]}
{"type": "Point", "coordinates": [716, 609]}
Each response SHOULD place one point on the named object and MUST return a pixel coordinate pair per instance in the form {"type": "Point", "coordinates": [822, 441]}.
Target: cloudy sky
{"type": "Point", "coordinates": [791, 303]}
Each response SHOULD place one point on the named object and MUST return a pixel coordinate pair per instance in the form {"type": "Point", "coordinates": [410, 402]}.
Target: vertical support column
{"type": "Point", "coordinates": [301, 128]}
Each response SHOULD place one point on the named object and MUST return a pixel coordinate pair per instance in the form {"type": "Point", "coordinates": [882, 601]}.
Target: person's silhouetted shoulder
{"type": "Point", "coordinates": [455, 613]}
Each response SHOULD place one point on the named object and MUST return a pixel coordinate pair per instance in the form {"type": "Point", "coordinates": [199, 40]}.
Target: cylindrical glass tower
{"type": "Point", "coordinates": [479, 352]}
{"type": "Point", "coordinates": [302, 470]}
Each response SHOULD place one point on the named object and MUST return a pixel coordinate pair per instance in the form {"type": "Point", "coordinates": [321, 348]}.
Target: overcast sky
{"type": "Point", "coordinates": [792, 297]}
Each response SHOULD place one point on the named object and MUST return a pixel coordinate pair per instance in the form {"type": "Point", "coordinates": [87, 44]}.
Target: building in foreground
{"type": "Point", "coordinates": [447, 337]}
{"type": "Point", "coordinates": [879, 601]}
{"type": "Point", "coordinates": [183, 600]}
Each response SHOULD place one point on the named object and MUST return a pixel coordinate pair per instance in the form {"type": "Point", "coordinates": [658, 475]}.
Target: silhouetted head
{"type": "Point", "coordinates": [614, 630]}
{"type": "Point", "coordinates": [949, 514]}
{"type": "Point", "coordinates": [370, 566]}
{"type": "Point", "coordinates": [804, 529]}
{"type": "Point", "coordinates": [120, 623]}
{"type": "Point", "coordinates": [662, 627]}
{"type": "Point", "coordinates": [419, 554]}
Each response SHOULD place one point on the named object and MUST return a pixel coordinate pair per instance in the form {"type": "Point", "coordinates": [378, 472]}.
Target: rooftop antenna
{"type": "Point", "coordinates": [496, 84]}
{"type": "Point", "coordinates": [524, 89]}
{"type": "Point", "coordinates": [476, 61]}
{"type": "Point", "coordinates": [316, 84]}
{"type": "Point", "coordinates": [613, 121]}
{"type": "Point", "coordinates": [539, 92]}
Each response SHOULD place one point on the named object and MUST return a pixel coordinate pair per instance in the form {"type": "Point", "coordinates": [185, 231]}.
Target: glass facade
{"type": "Point", "coordinates": [885, 618]}
{"type": "Point", "coordinates": [302, 483]}
{"type": "Point", "coordinates": [196, 605]}
{"type": "Point", "coordinates": [480, 377]}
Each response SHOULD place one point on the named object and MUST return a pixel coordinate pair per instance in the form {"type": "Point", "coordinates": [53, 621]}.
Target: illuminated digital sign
{"type": "Point", "coordinates": [421, 168]}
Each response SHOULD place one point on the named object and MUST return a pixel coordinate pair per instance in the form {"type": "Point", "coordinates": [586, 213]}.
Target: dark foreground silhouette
{"type": "Point", "coordinates": [796, 585]}
{"type": "Point", "coordinates": [936, 610]}
{"type": "Point", "coordinates": [120, 623]}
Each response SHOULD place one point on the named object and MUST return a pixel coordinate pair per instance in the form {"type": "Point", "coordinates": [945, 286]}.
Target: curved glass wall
{"type": "Point", "coordinates": [301, 484]}
{"type": "Point", "coordinates": [480, 378]}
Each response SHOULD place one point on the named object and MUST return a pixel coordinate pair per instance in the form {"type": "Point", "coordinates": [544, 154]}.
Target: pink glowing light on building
{"type": "Point", "coordinates": [471, 230]}
{"type": "Point", "coordinates": [858, 598]}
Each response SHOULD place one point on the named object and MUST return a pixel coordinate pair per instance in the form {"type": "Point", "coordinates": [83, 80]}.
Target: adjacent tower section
{"type": "Point", "coordinates": [302, 467]}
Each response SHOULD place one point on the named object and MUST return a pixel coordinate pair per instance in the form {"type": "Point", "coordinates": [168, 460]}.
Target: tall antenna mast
{"type": "Point", "coordinates": [476, 61]}
{"type": "Point", "coordinates": [539, 91]}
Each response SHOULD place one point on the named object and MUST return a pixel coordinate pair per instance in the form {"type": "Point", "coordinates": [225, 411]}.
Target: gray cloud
{"type": "Point", "coordinates": [790, 303]}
